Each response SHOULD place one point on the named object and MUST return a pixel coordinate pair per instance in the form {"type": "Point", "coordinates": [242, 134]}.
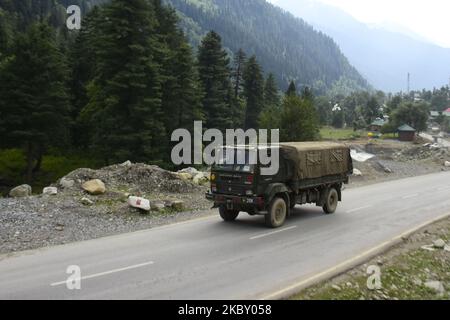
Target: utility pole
{"type": "Point", "coordinates": [408, 84]}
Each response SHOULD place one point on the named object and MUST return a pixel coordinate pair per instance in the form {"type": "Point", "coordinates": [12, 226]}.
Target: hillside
{"type": "Point", "coordinates": [384, 57]}
{"type": "Point", "coordinates": [285, 45]}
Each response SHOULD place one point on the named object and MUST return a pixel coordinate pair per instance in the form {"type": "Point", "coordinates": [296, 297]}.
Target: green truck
{"type": "Point", "coordinates": [309, 172]}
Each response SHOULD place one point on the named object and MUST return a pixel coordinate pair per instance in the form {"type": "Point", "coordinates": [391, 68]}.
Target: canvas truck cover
{"type": "Point", "coordinates": [317, 159]}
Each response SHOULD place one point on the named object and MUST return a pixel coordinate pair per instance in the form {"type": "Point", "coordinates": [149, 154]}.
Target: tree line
{"type": "Point", "coordinates": [119, 87]}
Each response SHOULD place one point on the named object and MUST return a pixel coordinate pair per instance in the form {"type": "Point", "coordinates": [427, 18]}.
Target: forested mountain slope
{"type": "Point", "coordinates": [285, 45]}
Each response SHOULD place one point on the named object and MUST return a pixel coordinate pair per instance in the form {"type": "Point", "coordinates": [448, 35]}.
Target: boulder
{"type": "Point", "coordinates": [200, 178]}
{"type": "Point", "coordinates": [439, 244]}
{"type": "Point", "coordinates": [139, 203]}
{"type": "Point", "coordinates": [51, 191]}
{"type": "Point", "coordinates": [436, 286]}
{"type": "Point", "coordinates": [357, 173]}
{"type": "Point", "coordinates": [127, 164]}
{"type": "Point", "coordinates": [67, 183]}
{"type": "Point", "coordinates": [21, 191]}
{"type": "Point", "coordinates": [178, 205]}
{"type": "Point", "coordinates": [94, 187]}
{"type": "Point", "coordinates": [447, 164]}
{"type": "Point", "coordinates": [87, 202]}
{"type": "Point", "coordinates": [192, 171]}
{"type": "Point", "coordinates": [157, 205]}
{"type": "Point", "coordinates": [185, 176]}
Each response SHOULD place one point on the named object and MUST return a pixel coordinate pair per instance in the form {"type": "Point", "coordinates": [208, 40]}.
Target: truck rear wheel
{"type": "Point", "coordinates": [331, 201]}
{"type": "Point", "coordinates": [277, 213]}
{"type": "Point", "coordinates": [228, 215]}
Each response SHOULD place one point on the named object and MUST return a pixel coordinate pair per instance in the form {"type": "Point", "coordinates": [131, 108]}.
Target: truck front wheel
{"type": "Point", "coordinates": [331, 201]}
{"type": "Point", "coordinates": [277, 213]}
{"type": "Point", "coordinates": [228, 215]}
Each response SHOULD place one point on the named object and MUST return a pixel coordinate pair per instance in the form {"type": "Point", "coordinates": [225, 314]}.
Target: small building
{"type": "Point", "coordinates": [406, 133]}
{"type": "Point", "coordinates": [434, 115]}
{"type": "Point", "coordinates": [446, 112]}
{"type": "Point", "coordinates": [377, 125]}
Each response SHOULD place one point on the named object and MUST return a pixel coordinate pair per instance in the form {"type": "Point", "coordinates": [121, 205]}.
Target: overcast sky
{"type": "Point", "coordinates": [427, 18]}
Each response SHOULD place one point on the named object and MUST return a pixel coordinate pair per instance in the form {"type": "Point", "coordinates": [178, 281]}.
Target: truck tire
{"type": "Point", "coordinates": [228, 215]}
{"type": "Point", "coordinates": [277, 213]}
{"type": "Point", "coordinates": [331, 201]}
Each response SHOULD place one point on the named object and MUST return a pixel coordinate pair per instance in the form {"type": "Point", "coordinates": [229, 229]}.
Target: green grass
{"type": "Point", "coordinates": [330, 133]}
{"type": "Point", "coordinates": [54, 167]}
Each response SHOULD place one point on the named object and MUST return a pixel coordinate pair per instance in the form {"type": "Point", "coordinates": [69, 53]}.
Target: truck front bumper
{"type": "Point", "coordinates": [242, 203]}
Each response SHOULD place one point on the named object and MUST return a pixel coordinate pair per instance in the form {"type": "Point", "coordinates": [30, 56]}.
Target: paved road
{"type": "Point", "coordinates": [209, 259]}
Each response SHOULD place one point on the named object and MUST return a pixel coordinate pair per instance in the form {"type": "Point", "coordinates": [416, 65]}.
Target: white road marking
{"type": "Point", "coordinates": [410, 196]}
{"type": "Point", "coordinates": [96, 275]}
{"type": "Point", "coordinates": [272, 233]}
{"type": "Point", "coordinates": [359, 209]}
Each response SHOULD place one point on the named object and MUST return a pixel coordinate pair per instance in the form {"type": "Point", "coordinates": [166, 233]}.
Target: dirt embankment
{"type": "Point", "coordinates": [396, 160]}
{"type": "Point", "coordinates": [75, 215]}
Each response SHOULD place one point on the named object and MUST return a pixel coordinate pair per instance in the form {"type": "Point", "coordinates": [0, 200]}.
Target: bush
{"type": "Point", "coordinates": [388, 128]}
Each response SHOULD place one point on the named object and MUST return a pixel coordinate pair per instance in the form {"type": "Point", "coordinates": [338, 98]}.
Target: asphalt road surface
{"type": "Point", "coordinates": [210, 259]}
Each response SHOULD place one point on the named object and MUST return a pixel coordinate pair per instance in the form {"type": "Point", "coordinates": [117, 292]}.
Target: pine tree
{"type": "Point", "coordinates": [124, 106]}
{"type": "Point", "coordinates": [292, 89]}
{"type": "Point", "coordinates": [253, 92]}
{"type": "Point", "coordinates": [82, 64]}
{"type": "Point", "coordinates": [214, 73]}
{"type": "Point", "coordinates": [270, 116]}
{"type": "Point", "coordinates": [239, 63]}
{"type": "Point", "coordinates": [181, 99]}
{"type": "Point", "coordinates": [299, 120]}
{"type": "Point", "coordinates": [34, 107]}
{"type": "Point", "coordinates": [271, 94]}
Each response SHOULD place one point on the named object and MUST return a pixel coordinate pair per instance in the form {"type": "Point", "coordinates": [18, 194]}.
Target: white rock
{"type": "Point", "coordinates": [87, 201]}
{"type": "Point", "coordinates": [200, 178]}
{"type": "Point", "coordinates": [439, 244]}
{"type": "Point", "coordinates": [94, 187]}
{"type": "Point", "coordinates": [20, 191]}
{"type": "Point", "coordinates": [50, 191]}
{"type": "Point", "coordinates": [139, 203]}
{"type": "Point", "coordinates": [447, 164]}
{"type": "Point", "coordinates": [127, 164]}
{"type": "Point", "coordinates": [436, 286]}
{"type": "Point", "coordinates": [66, 183]}
{"type": "Point", "coordinates": [185, 176]}
{"type": "Point", "coordinates": [157, 205]}
{"type": "Point", "coordinates": [428, 247]}
{"type": "Point", "coordinates": [192, 171]}
{"type": "Point", "coordinates": [336, 287]}
{"type": "Point", "coordinates": [357, 173]}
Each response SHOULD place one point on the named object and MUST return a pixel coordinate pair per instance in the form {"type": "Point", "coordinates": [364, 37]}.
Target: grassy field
{"type": "Point", "coordinates": [330, 133]}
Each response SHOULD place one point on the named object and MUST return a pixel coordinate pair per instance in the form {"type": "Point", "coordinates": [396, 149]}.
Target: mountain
{"type": "Point", "coordinates": [283, 44]}
{"type": "Point", "coordinates": [382, 56]}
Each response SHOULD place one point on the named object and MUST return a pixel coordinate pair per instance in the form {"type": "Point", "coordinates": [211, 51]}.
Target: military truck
{"type": "Point", "coordinates": [309, 172]}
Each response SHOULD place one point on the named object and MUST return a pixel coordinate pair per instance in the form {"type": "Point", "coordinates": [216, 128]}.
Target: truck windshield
{"type": "Point", "coordinates": [236, 162]}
